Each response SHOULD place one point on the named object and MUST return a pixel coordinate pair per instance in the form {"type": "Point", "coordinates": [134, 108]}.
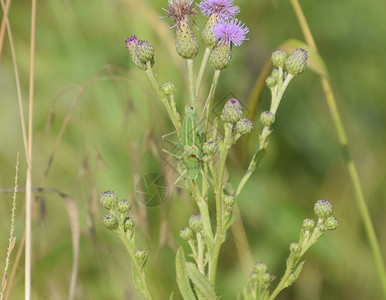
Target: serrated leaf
{"type": "Point", "coordinates": [200, 282]}
{"type": "Point", "coordinates": [182, 276]}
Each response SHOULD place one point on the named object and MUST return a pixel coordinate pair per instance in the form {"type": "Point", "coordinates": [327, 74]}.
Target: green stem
{"type": "Point", "coordinates": [192, 95]}
{"type": "Point", "coordinates": [209, 100]}
{"type": "Point", "coordinates": [202, 69]}
{"type": "Point", "coordinates": [200, 250]}
{"type": "Point", "coordinates": [204, 211]}
{"type": "Point", "coordinates": [219, 209]}
{"type": "Point", "coordinates": [138, 269]}
{"type": "Point", "coordinates": [172, 115]}
{"type": "Point", "coordinates": [361, 202]}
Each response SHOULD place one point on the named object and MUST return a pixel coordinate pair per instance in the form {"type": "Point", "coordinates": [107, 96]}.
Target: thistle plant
{"type": "Point", "coordinates": [202, 153]}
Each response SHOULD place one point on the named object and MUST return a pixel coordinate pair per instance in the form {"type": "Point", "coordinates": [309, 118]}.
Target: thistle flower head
{"type": "Point", "coordinates": [221, 8]}
{"type": "Point", "coordinates": [180, 10]}
{"type": "Point", "coordinates": [131, 41]}
{"type": "Point", "coordinates": [230, 32]}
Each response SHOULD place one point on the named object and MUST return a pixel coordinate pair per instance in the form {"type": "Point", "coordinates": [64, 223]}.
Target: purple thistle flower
{"type": "Point", "coordinates": [230, 32]}
{"type": "Point", "coordinates": [223, 8]}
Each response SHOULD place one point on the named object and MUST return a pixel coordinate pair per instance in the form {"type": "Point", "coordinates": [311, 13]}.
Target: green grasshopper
{"type": "Point", "coordinates": [191, 143]}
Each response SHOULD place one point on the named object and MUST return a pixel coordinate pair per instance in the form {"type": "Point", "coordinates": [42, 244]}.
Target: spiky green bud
{"type": "Point", "coordinates": [128, 225]}
{"type": "Point", "coordinates": [110, 221]}
{"type": "Point", "coordinates": [141, 256]}
{"type": "Point", "coordinates": [331, 223]}
{"type": "Point", "coordinates": [323, 209]}
{"type": "Point", "coordinates": [108, 199]}
{"type": "Point", "coordinates": [168, 88]}
{"type": "Point", "coordinates": [229, 200]}
{"type": "Point", "coordinates": [279, 57]}
{"type": "Point", "coordinates": [275, 74]}
{"type": "Point", "coordinates": [268, 278]}
{"type": "Point", "coordinates": [123, 206]}
{"type": "Point", "coordinates": [244, 126]}
{"type": "Point", "coordinates": [209, 148]}
{"type": "Point", "coordinates": [296, 62]}
{"type": "Point", "coordinates": [195, 223]}
{"type": "Point", "coordinates": [308, 224]}
{"type": "Point", "coordinates": [186, 234]}
{"type": "Point", "coordinates": [221, 56]}
{"type": "Point", "coordinates": [260, 268]}
{"type": "Point", "coordinates": [145, 52]}
{"type": "Point", "coordinates": [131, 44]}
{"type": "Point", "coordinates": [186, 43]}
{"type": "Point", "coordinates": [295, 248]}
{"type": "Point", "coordinates": [207, 33]}
{"type": "Point", "coordinates": [267, 118]}
{"type": "Point", "coordinates": [232, 111]}
{"type": "Point", "coordinates": [271, 81]}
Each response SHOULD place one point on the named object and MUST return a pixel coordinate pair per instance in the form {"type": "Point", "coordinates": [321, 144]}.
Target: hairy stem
{"type": "Point", "coordinates": [192, 95]}
{"type": "Point", "coordinates": [202, 69]}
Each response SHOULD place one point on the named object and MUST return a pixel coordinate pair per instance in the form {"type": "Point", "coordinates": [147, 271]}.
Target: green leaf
{"type": "Point", "coordinates": [182, 276]}
{"type": "Point", "coordinates": [171, 296]}
{"type": "Point", "coordinates": [200, 281]}
{"type": "Point", "coordinates": [294, 275]}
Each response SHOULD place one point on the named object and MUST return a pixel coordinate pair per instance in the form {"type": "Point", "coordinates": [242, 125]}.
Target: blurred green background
{"type": "Point", "coordinates": [113, 137]}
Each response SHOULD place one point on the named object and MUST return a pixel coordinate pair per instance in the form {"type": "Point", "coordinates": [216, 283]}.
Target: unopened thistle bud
{"type": "Point", "coordinates": [296, 62]}
{"type": "Point", "coordinates": [308, 224]}
{"type": "Point", "coordinates": [141, 256]}
{"type": "Point", "coordinates": [323, 209]}
{"type": "Point", "coordinates": [128, 225]}
{"type": "Point", "coordinates": [229, 200]}
{"type": "Point", "coordinates": [131, 43]}
{"type": "Point", "coordinates": [244, 126]}
{"type": "Point", "coordinates": [168, 88]}
{"type": "Point", "coordinates": [110, 221]}
{"type": "Point", "coordinates": [108, 199]}
{"type": "Point", "coordinates": [209, 148]}
{"type": "Point", "coordinates": [145, 52]}
{"type": "Point", "coordinates": [260, 268]}
{"type": "Point", "coordinates": [232, 111]}
{"type": "Point", "coordinates": [278, 58]}
{"type": "Point", "coordinates": [271, 81]}
{"type": "Point", "coordinates": [295, 248]}
{"type": "Point", "coordinates": [123, 206]}
{"type": "Point", "coordinates": [331, 223]}
{"type": "Point", "coordinates": [195, 222]}
{"type": "Point", "coordinates": [267, 118]}
{"type": "Point", "coordinates": [186, 234]}
{"type": "Point", "coordinates": [275, 73]}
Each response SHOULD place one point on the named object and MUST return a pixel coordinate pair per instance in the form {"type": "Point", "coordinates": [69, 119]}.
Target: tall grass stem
{"type": "Point", "coordinates": [330, 98]}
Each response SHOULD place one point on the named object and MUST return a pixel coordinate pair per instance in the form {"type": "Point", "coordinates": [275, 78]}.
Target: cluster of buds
{"type": "Point", "coordinates": [286, 66]}
{"type": "Point", "coordinates": [259, 282]}
{"type": "Point", "coordinates": [118, 220]}
{"type": "Point", "coordinates": [232, 115]}
{"type": "Point", "coordinates": [141, 52]}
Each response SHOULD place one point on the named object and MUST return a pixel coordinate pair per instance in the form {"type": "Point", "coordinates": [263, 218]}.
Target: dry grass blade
{"type": "Point", "coordinates": [3, 24]}
{"type": "Point", "coordinates": [72, 211]}
{"type": "Point", "coordinates": [12, 238]}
